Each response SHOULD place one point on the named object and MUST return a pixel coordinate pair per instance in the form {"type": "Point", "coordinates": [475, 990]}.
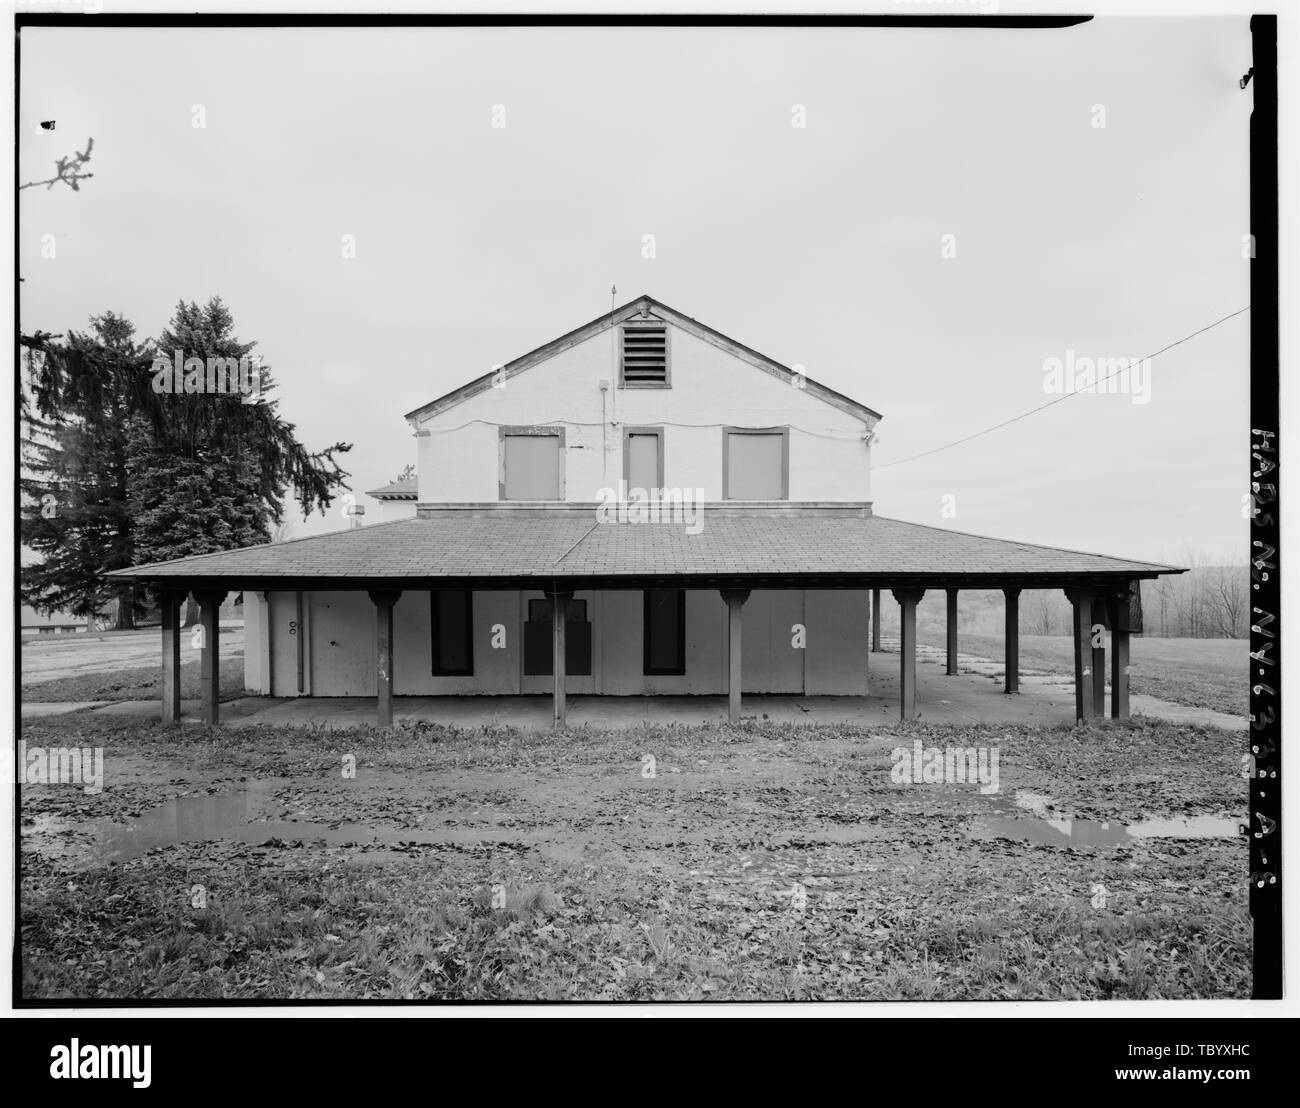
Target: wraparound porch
{"type": "Point", "coordinates": [899, 688]}
{"type": "Point", "coordinates": [557, 551]}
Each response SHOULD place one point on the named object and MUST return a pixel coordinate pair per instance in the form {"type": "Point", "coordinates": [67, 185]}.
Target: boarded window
{"type": "Point", "coordinates": [645, 353]}
{"type": "Point", "coordinates": [532, 467]}
{"type": "Point", "coordinates": [665, 631]}
{"type": "Point", "coordinates": [539, 611]}
{"type": "Point", "coordinates": [756, 466]}
{"type": "Point", "coordinates": [453, 634]}
{"type": "Point", "coordinates": [539, 641]}
{"type": "Point", "coordinates": [643, 462]}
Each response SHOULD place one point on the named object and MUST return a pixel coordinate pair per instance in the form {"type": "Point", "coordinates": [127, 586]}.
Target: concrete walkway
{"type": "Point", "coordinates": [972, 696]}
{"type": "Point", "coordinates": [48, 657]}
{"type": "Point", "coordinates": [41, 709]}
{"type": "Point", "coordinates": [1061, 689]}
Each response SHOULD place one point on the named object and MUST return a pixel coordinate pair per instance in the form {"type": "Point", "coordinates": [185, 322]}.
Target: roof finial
{"type": "Point", "coordinates": [613, 292]}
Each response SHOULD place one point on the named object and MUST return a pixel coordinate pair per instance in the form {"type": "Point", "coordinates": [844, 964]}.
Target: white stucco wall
{"type": "Point", "coordinates": [387, 511]}
{"type": "Point", "coordinates": [256, 642]}
{"type": "Point", "coordinates": [458, 450]}
{"type": "Point", "coordinates": [338, 641]}
{"type": "Point", "coordinates": [458, 460]}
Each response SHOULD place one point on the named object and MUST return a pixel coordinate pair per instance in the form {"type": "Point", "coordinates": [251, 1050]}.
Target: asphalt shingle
{"type": "Point", "coordinates": [516, 545]}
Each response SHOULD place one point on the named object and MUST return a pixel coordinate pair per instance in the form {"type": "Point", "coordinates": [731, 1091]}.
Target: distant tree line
{"type": "Point", "coordinates": [1208, 602]}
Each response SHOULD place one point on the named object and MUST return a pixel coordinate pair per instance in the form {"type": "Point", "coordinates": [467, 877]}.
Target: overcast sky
{"type": "Point", "coordinates": [821, 245]}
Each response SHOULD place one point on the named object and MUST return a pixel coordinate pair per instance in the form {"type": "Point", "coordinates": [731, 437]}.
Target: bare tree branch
{"type": "Point", "coordinates": [67, 170]}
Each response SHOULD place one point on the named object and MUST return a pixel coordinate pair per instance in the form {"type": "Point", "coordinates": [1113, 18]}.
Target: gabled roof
{"type": "Point", "coordinates": [533, 549]}
{"type": "Point", "coordinates": [619, 315]}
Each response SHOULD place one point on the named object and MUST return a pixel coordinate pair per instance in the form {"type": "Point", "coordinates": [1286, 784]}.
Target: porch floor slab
{"type": "Point", "coordinates": [618, 712]}
{"type": "Point", "coordinates": [969, 697]}
{"type": "Point", "coordinates": [972, 696]}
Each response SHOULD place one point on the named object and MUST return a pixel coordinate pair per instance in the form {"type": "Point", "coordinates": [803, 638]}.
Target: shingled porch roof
{"type": "Point", "coordinates": [535, 550]}
{"type": "Point", "coordinates": [405, 489]}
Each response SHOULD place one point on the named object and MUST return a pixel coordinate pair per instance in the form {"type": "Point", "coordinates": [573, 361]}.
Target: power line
{"type": "Point", "coordinates": [846, 436]}
{"type": "Point", "coordinates": [1057, 400]}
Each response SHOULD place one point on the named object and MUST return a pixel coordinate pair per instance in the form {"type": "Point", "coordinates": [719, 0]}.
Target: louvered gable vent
{"type": "Point", "coordinates": [645, 352]}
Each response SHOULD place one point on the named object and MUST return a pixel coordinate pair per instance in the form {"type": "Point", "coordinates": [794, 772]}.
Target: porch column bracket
{"type": "Point", "coordinates": [735, 601]}
{"type": "Point", "coordinates": [907, 602]}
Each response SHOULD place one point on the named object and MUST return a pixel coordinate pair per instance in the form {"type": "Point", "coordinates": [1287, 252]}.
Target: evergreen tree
{"type": "Point", "coordinates": [138, 473]}
{"type": "Point", "coordinates": [74, 483]}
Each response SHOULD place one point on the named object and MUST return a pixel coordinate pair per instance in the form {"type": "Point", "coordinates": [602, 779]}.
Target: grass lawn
{"type": "Point", "coordinates": [757, 863]}
{"type": "Point", "coordinates": [134, 683]}
{"type": "Point", "coordinates": [1202, 673]}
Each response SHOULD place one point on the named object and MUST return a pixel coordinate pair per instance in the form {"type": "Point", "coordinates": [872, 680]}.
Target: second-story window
{"type": "Point", "coordinates": [644, 362]}
{"type": "Point", "coordinates": [532, 463]}
{"type": "Point", "coordinates": [643, 458]}
{"type": "Point", "coordinates": [756, 463]}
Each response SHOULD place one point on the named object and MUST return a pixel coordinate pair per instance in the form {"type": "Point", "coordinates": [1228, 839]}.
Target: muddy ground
{"type": "Point", "coordinates": [744, 863]}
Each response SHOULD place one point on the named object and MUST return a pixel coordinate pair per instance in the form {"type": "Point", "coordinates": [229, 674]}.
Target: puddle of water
{"type": "Point", "coordinates": [1197, 827]}
{"type": "Point", "coordinates": [234, 817]}
{"type": "Point", "coordinates": [1049, 829]}
{"type": "Point", "coordinates": [237, 817]}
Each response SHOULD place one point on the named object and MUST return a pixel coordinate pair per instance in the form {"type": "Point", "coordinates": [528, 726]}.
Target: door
{"type": "Point", "coordinates": [538, 644]}
{"type": "Point", "coordinates": [770, 660]}
{"type": "Point", "coordinates": [342, 636]}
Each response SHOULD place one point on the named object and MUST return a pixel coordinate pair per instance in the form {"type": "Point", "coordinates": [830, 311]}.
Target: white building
{"type": "Point", "coordinates": [684, 501]}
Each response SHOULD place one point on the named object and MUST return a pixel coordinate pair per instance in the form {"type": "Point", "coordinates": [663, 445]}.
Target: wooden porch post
{"type": "Point", "coordinates": [1099, 659]}
{"type": "Point", "coordinates": [1119, 655]}
{"type": "Point", "coordinates": [384, 599]}
{"type": "Point", "coordinates": [875, 621]}
{"type": "Point", "coordinates": [169, 601]}
{"type": "Point", "coordinates": [907, 602]}
{"type": "Point", "coordinates": [1081, 600]}
{"type": "Point", "coordinates": [735, 599]}
{"type": "Point", "coordinates": [1011, 640]}
{"type": "Point", "coordinates": [952, 632]}
{"type": "Point", "coordinates": [300, 642]}
{"type": "Point", "coordinates": [559, 618]}
{"type": "Point", "coordinates": [210, 654]}
{"type": "Point", "coordinates": [264, 598]}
